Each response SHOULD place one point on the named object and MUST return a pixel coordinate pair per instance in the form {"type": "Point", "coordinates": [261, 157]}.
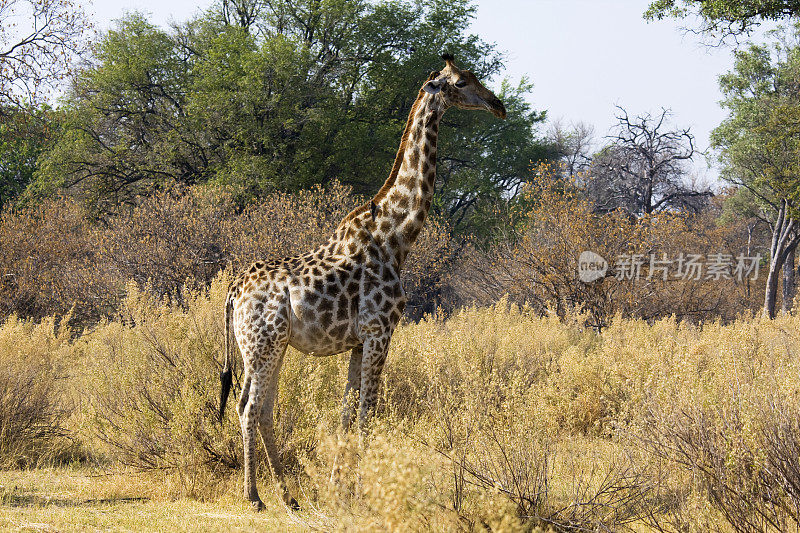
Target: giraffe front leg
{"type": "Point", "coordinates": [351, 390]}
{"type": "Point", "coordinates": [372, 360]}
{"type": "Point", "coordinates": [349, 403]}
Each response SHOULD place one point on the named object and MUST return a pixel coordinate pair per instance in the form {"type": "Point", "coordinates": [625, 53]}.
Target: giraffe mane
{"type": "Point", "coordinates": [398, 159]}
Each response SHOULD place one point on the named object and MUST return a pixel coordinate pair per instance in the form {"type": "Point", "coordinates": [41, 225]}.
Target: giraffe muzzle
{"type": "Point", "coordinates": [496, 108]}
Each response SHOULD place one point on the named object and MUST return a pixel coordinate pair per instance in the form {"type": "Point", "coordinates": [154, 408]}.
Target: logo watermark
{"type": "Point", "coordinates": [591, 267]}
{"type": "Point", "coordinates": [690, 267]}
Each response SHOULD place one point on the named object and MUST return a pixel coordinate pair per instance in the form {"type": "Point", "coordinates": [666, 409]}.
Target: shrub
{"type": "Point", "coordinates": [150, 380]}
{"type": "Point", "coordinates": [33, 402]}
{"type": "Point", "coordinates": [52, 259]}
{"type": "Point", "coordinates": [743, 454]}
{"type": "Point", "coordinates": [535, 259]}
{"type": "Point", "coordinates": [49, 264]}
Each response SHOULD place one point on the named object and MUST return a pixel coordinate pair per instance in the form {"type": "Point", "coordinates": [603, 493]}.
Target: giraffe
{"type": "Point", "coordinates": [346, 294]}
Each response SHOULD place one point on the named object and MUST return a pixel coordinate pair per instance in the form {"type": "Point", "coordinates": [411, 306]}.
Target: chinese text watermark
{"type": "Point", "coordinates": [690, 267]}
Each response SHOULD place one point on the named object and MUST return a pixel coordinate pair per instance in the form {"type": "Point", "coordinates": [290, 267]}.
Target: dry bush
{"type": "Point", "coordinates": [149, 382]}
{"type": "Point", "coordinates": [52, 259]}
{"type": "Point", "coordinates": [489, 401]}
{"type": "Point", "coordinates": [192, 234]}
{"type": "Point", "coordinates": [168, 238]}
{"type": "Point", "coordinates": [283, 224]}
{"type": "Point", "coordinates": [49, 264]}
{"type": "Point", "coordinates": [33, 403]}
{"type": "Point", "coordinates": [536, 261]}
{"type": "Point", "coordinates": [744, 458]}
{"type": "Point", "coordinates": [425, 274]}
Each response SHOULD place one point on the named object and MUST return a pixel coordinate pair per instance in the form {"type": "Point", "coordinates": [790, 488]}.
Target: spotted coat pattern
{"type": "Point", "coordinates": [346, 294]}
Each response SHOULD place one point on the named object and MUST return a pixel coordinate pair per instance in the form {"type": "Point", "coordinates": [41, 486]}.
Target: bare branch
{"type": "Point", "coordinates": [38, 42]}
{"type": "Point", "coordinates": [642, 169]}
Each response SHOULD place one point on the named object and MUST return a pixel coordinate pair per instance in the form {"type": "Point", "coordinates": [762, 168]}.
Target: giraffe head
{"type": "Point", "coordinates": [462, 89]}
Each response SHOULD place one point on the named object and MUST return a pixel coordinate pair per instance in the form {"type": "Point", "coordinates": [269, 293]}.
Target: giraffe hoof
{"type": "Point", "coordinates": [258, 505]}
{"type": "Point", "coordinates": [293, 505]}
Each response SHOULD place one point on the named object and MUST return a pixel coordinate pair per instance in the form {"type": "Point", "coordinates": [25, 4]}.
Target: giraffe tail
{"type": "Point", "coordinates": [226, 376]}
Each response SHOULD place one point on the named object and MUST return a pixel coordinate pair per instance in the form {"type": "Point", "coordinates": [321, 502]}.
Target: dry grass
{"type": "Point", "coordinates": [78, 499]}
{"type": "Point", "coordinates": [33, 401]}
{"type": "Point", "coordinates": [494, 418]}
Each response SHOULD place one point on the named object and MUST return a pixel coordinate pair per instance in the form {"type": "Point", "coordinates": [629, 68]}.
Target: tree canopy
{"type": "Point", "coordinates": [25, 134]}
{"type": "Point", "coordinates": [759, 143]}
{"type": "Point", "coordinates": [725, 17]}
{"type": "Point", "coordinates": [282, 95]}
{"type": "Point", "coordinates": [38, 40]}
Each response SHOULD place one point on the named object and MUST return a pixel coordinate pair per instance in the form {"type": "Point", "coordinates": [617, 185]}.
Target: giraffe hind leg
{"type": "Point", "coordinates": [245, 393]}
{"type": "Point", "coordinates": [349, 404]}
{"type": "Point", "coordinates": [266, 428]}
{"type": "Point", "coordinates": [248, 420]}
{"type": "Point", "coordinates": [263, 344]}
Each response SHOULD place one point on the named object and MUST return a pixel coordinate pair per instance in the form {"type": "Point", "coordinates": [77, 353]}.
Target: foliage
{"type": "Point", "coordinates": [471, 187]}
{"type": "Point", "coordinates": [33, 402]}
{"type": "Point", "coordinates": [759, 143]}
{"type": "Point", "coordinates": [181, 236]}
{"type": "Point", "coordinates": [745, 457]}
{"type": "Point", "coordinates": [160, 362]}
{"type": "Point", "coordinates": [123, 132]}
{"type": "Point", "coordinates": [725, 17]}
{"type": "Point", "coordinates": [282, 95]}
{"type": "Point", "coordinates": [49, 264]}
{"type": "Point", "coordinates": [25, 133]}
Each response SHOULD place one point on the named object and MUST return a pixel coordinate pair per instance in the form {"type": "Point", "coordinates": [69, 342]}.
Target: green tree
{"type": "Point", "coordinates": [725, 17]}
{"type": "Point", "coordinates": [282, 95]}
{"type": "Point", "coordinates": [759, 144]}
{"type": "Point", "coordinates": [125, 126]}
{"type": "Point", "coordinates": [25, 133]}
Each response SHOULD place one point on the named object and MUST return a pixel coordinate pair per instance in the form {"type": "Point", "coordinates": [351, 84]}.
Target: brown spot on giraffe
{"type": "Point", "coordinates": [347, 293]}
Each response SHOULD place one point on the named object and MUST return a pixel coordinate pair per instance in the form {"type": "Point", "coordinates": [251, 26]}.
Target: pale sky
{"type": "Point", "coordinates": [583, 56]}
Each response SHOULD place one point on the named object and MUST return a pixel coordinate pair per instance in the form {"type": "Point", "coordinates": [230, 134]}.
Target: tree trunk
{"type": "Point", "coordinates": [784, 240]}
{"type": "Point", "coordinates": [788, 282]}
{"type": "Point", "coordinates": [771, 290]}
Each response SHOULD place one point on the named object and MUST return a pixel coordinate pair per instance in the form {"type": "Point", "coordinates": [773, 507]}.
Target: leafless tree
{"type": "Point", "coordinates": [643, 169]}
{"type": "Point", "coordinates": [572, 145]}
{"type": "Point", "coordinates": [38, 41]}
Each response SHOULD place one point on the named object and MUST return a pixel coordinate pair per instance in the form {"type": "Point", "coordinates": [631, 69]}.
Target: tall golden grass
{"type": "Point", "coordinates": [495, 417]}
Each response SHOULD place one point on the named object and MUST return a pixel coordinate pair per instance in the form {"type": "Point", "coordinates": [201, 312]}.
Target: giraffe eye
{"type": "Point", "coordinates": [461, 83]}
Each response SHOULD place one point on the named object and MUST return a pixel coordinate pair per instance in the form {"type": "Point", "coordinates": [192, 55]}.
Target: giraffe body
{"type": "Point", "coordinates": [346, 294]}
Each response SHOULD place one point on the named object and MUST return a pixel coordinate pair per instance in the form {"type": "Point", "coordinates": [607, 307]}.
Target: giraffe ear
{"type": "Point", "coordinates": [433, 86]}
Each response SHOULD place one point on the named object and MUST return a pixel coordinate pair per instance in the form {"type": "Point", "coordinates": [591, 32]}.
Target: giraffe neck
{"type": "Point", "coordinates": [403, 203]}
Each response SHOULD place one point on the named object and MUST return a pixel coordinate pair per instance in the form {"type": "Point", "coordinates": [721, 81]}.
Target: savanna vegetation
{"type": "Point", "coordinates": [662, 394]}
{"type": "Point", "coordinates": [494, 417]}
